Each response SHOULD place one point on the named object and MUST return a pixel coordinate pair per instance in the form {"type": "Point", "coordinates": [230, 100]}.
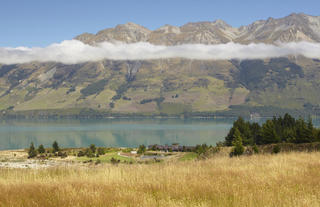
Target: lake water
{"type": "Point", "coordinates": [16, 134]}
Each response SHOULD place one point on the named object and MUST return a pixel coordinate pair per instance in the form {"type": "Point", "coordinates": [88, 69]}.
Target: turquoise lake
{"type": "Point", "coordinates": [17, 134]}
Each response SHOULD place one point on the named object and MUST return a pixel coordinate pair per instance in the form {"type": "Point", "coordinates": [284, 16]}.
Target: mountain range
{"type": "Point", "coordinates": [295, 27]}
{"type": "Point", "coordinates": [175, 86]}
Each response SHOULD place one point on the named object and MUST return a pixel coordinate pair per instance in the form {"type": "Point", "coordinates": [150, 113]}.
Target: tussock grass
{"type": "Point", "coordinates": [285, 179]}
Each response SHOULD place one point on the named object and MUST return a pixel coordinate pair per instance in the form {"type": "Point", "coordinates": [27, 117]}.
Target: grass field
{"type": "Point", "coordinates": [285, 179]}
{"type": "Point", "coordinates": [107, 157]}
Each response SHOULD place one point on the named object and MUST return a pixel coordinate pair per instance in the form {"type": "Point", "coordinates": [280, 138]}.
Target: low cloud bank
{"type": "Point", "coordinates": [74, 51]}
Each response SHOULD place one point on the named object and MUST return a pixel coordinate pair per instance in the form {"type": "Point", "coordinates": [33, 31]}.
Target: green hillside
{"type": "Point", "coordinates": [162, 87]}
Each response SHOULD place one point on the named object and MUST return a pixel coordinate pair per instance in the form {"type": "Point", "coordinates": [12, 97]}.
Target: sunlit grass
{"type": "Point", "coordinates": [188, 156]}
{"type": "Point", "coordinates": [285, 179]}
{"type": "Point", "coordinates": [107, 157]}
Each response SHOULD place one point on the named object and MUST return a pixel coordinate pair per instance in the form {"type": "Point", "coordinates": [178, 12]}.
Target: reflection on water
{"type": "Point", "coordinates": [15, 134]}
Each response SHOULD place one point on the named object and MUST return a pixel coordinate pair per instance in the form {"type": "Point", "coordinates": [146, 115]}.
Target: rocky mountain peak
{"type": "Point", "coordinates": [221, 24]}
{"type": "Point", "coordinates": [168, 29]}
{"type": "Point", "coordinates": [294, 27]}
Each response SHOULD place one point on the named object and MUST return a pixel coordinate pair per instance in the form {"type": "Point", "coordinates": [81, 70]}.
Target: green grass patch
{"type": "Point", "coordinates": [106, 158]}
{"type": "Point", "coordinates": [189, 156]}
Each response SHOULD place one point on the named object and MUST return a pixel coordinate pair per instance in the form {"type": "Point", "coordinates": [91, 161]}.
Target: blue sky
{"type": "Point", "coordinates": [36, 23]}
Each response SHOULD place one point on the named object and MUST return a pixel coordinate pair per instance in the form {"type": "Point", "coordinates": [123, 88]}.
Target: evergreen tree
{"type": "Point", "coordinates": [312, 131]}
{"type": "Point", "coordinates": [244, 129]}
{"type": "Point", "coordinates": [55, 147]}
{"type": "Point", "coordinates": [32, 151]}
{"type": "Point", "coordinates": [238, 148]}
{"type": "Point", "coordinates": [41, 149]}
{"type": "Point", "coordinates": [255, 129]}
{"type": "Point", "coordinates": [288, 121]}
{"type": "Point", "coordinates": [269, 134]}
{"type": "Point", "coordinates": [93, 148]}
{"type": "Point", "coordinates": [303, 133]}
{"type": "Point", "coordinates": [286, 129]}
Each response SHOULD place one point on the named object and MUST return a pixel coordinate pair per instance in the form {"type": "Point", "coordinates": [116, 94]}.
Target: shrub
{"type": "Point", "coordinates": [101, 151]}
{"type": "Point", "coordinates": [80, 154]}
{"type": "Point", "coordinates": [255, 149]}
{"type": "Point", "coordinates": [276, 149]}
{"type": "Point", "coordinates": [89, 153]}
{"type": "Point", "coordinates": [127, 150]}
{"type": "Point", "coordinates": [62, 154]}
{"type": "Point", "coordinates": [201, 149]}
{"type": "Point", "coordinates": [142, 149]}
{"type": "Point", "coordinates": [114, 161]}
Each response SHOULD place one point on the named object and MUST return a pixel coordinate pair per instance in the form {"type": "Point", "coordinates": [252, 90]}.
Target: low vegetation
{"type": "Point", "coordinates": [284, 179]}
{"type": "Point", "coordinates": [273, 164]}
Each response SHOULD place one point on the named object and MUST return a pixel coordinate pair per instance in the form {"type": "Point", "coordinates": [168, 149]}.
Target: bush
{"type": "Point", "coordinates": [127, 150]}
{"type": "Point", "coordinates": [89, 153]}
{"type": "Point", "coordinates": [111, 105]}
{"type": "Point", "coordinates": [81, 154]}
{"type": "Point", "coordinates": [255, 149]}
{"type": "Point", "coordinates": [101, 151]}
{"type": "Point", "coordinates": [276, 149]}
{"type": "Point", "coordinates": [62, 154]}
{"type": "Point", "coordinates": [114, 161]}
{"type": "Point", "coordinates": [201, 149]}
{"type": "Point", "coordinates": [142, 149]}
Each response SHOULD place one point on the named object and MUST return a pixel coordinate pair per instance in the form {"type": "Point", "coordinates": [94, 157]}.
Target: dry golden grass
{"type": "Point", "coordinates": [288, 179]}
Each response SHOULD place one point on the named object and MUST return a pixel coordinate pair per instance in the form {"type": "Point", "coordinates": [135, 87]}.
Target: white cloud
{"type": "Point", "coordinates": [74, 51]}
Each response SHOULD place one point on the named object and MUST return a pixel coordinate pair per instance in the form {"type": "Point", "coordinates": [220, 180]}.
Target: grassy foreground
{"type": "Point", "coordinates": [285, 179]}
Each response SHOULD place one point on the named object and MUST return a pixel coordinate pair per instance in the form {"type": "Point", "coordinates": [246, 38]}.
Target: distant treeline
{"type": "Point", "coordinates": [284, 129]}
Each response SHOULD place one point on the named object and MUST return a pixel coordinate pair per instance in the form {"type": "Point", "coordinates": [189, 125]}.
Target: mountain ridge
{"type": "Point", "coordinates": [295, 27]}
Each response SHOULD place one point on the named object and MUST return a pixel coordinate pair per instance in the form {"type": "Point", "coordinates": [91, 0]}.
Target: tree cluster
{"type": "Point", "coordinates": [92, 151]}
{"type": "Point", "coordinates": [33, 152]}
{"type": "Point", "coordinates": [284, 129]}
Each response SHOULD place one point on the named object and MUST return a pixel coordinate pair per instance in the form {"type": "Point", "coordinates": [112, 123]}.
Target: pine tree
{"type": "Point", "coordinates": [238, 148]}
{"type": "Point", "coordinates": [93, 148]}
{"type": "Point", "coordinates": [41, 149]}
{"type": "Point", "coordinates": [269, 134]}
{"type": "Point", "coordinates": [55, 147]}
{"type": "Point", "coordinates": [303, 131]}
{"type": "Point", "coordinates": [244, 129]}
{"type": "Point", "coordinates": [32, 151]}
